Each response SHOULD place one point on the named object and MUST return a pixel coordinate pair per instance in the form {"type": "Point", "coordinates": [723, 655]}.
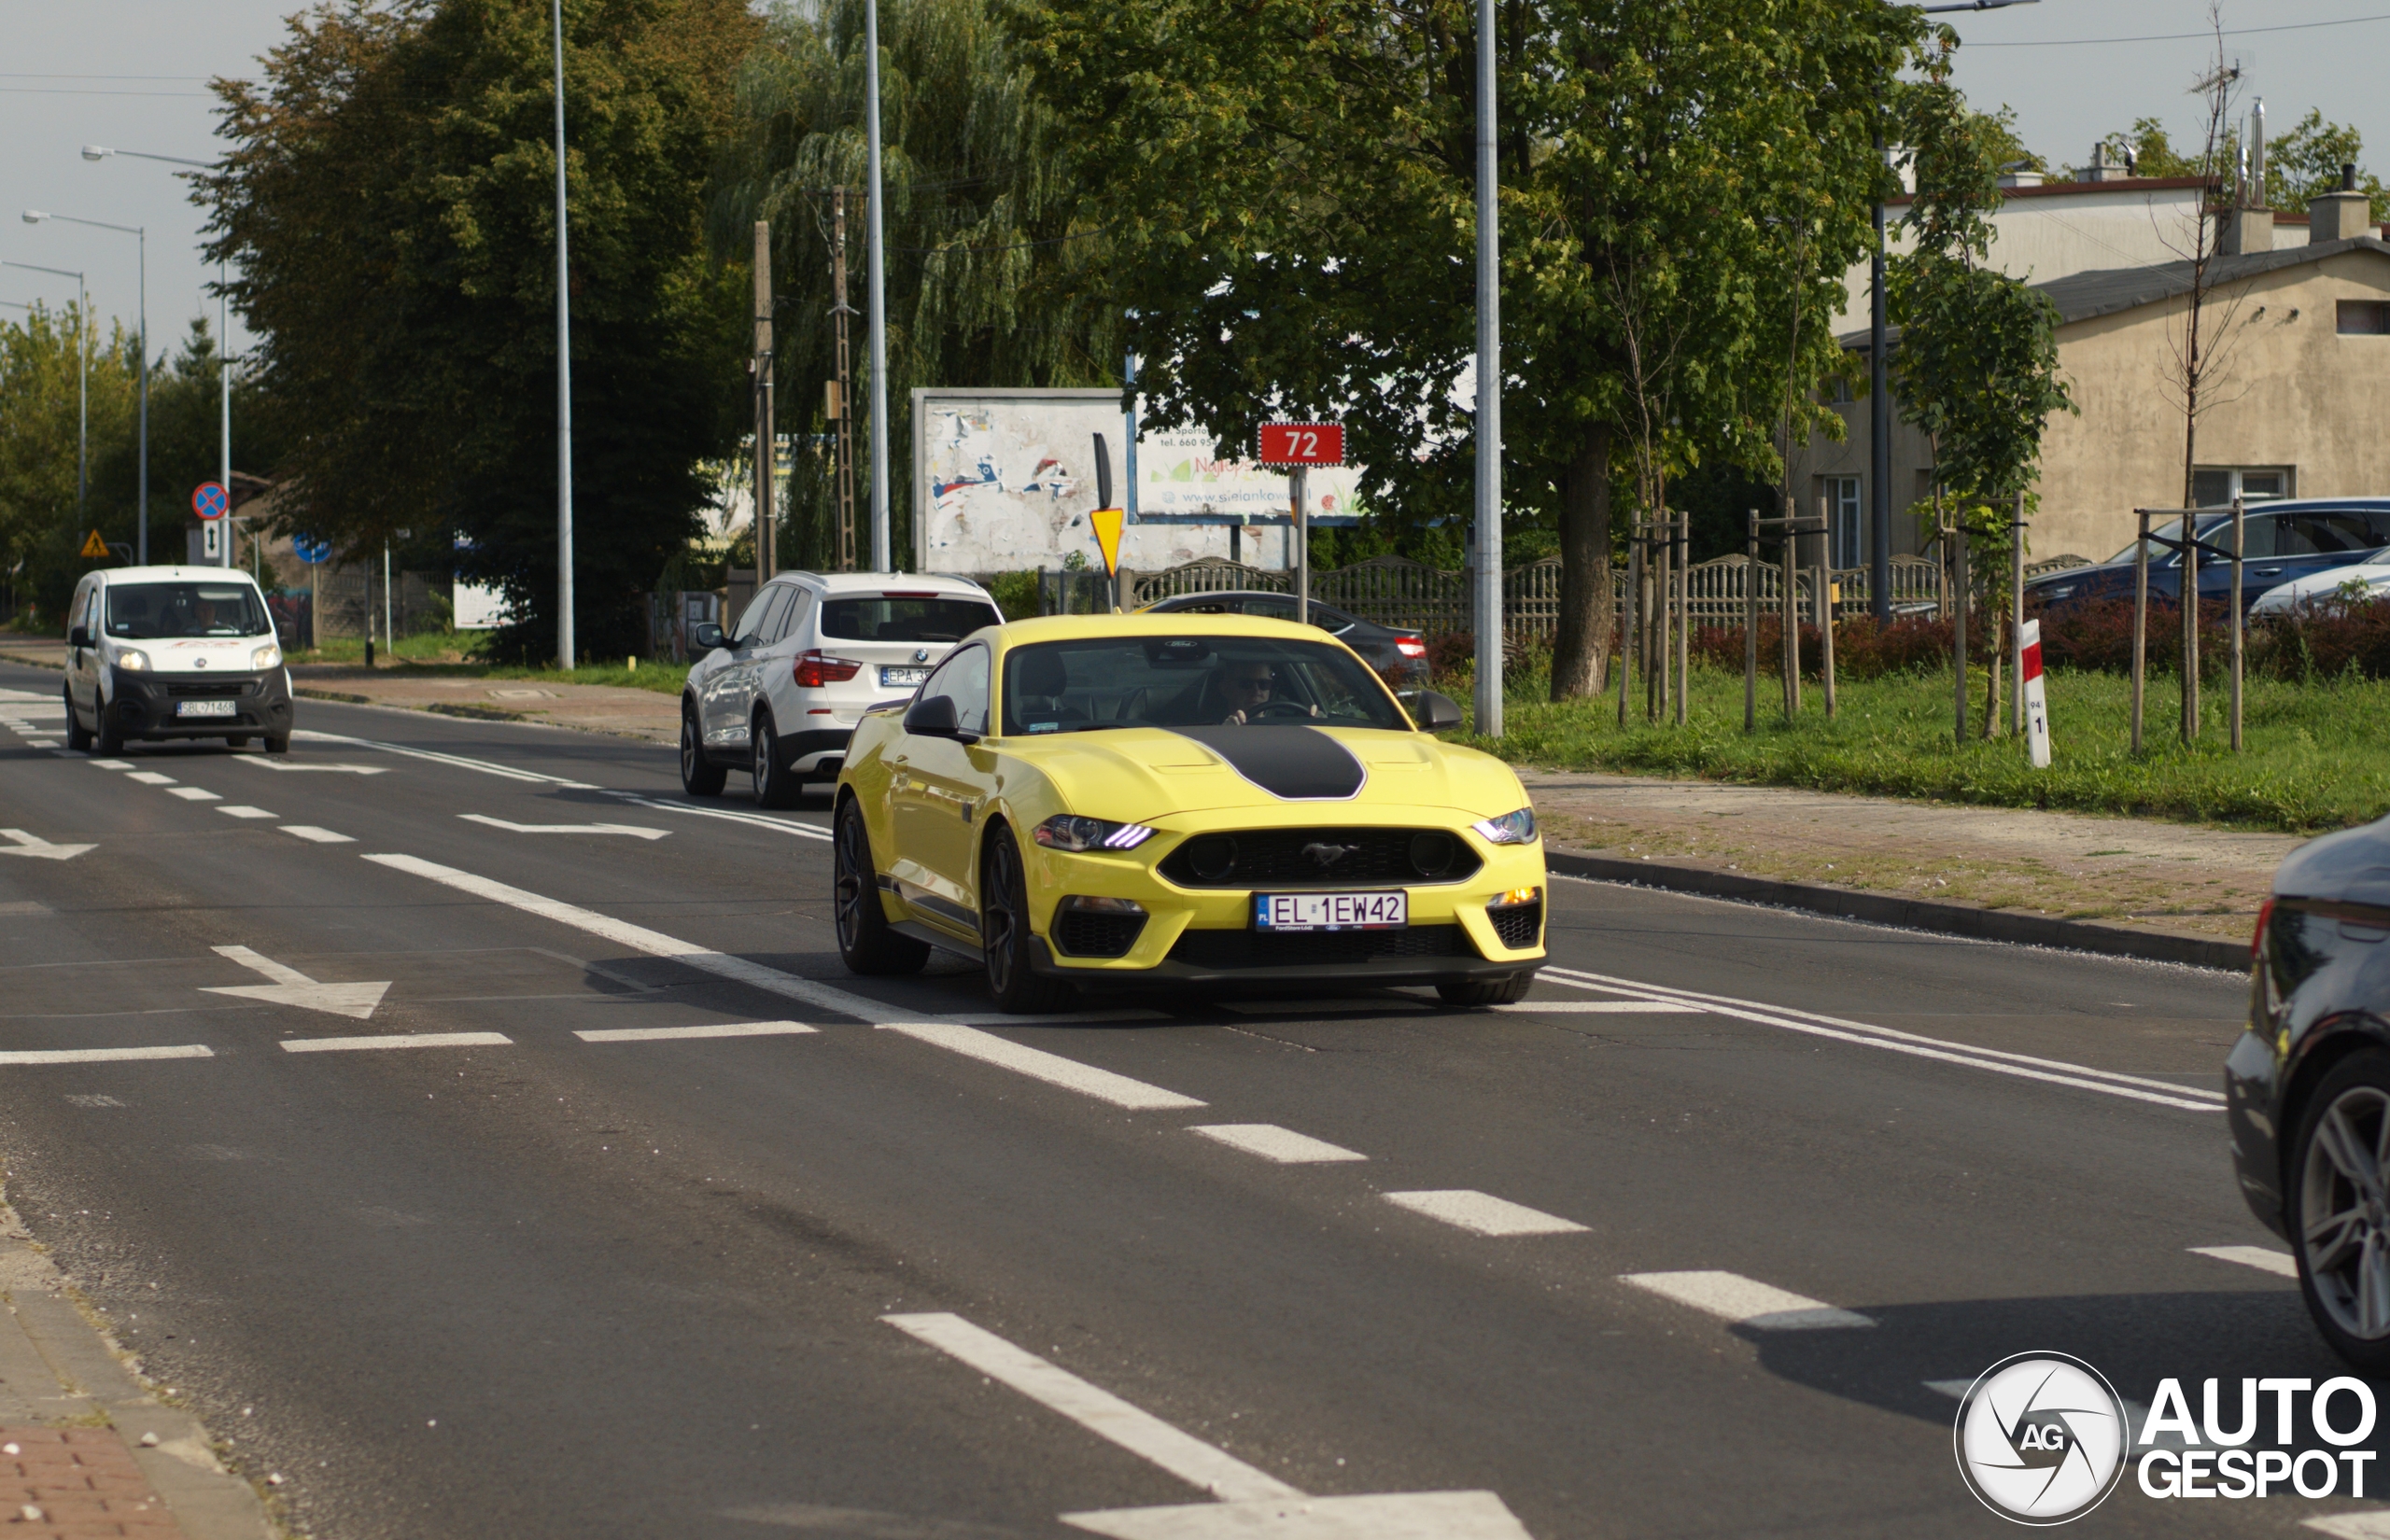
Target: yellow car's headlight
{"type": "Point", "coordinates": [1510, 828]}
{"type": "Point", "coordinates": [1072, 832]}
{"type": "Point", "coordinates": [132, 659]}
{"type": "Point", "coordinates": [265, 657]}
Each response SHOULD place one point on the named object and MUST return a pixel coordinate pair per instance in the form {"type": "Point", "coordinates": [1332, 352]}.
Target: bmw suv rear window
{"type": "Point", "coordinates": [149, 612]}
{"type": "Point", "coordinates": [905, 618]}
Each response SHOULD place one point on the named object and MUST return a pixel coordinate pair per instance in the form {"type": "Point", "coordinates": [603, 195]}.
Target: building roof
{"type": "Point", "coordinates": [2081, 189]}
{"type": "Point", "coordinates": [2084, 296]}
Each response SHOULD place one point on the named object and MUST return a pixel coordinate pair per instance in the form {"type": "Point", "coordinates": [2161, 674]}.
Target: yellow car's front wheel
{"type": "Point", "coordinates": [1005, 935]}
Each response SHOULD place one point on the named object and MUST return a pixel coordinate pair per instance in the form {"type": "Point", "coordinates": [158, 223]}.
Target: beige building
{"type": "Point", "coordinates": [2298, 405]}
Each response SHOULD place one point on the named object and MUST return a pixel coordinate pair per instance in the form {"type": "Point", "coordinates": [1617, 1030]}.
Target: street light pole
{"type": "Point", "coordinates": [34, 216]}
{"type": "Point", "coordinates": [564, 375]}
{"type": "Point", "coordinates": [82, 385]}
{"type": "Point", "coordinates": [877, 287]}
{"type": "Point", "coordinates": [1488, 565]}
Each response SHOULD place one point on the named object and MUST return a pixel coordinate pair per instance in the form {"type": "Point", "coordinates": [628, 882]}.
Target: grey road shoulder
{"type": "Point", "coordinates": [57, 1369]}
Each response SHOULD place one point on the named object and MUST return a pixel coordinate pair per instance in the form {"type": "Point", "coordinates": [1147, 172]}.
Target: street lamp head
{"type": "Point", "coordinates": [34, 216]}
{"type": "Point", "coordinates": [96, 152]}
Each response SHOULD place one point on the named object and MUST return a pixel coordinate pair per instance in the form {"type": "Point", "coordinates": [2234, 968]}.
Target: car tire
{"type": "Point", "coordinates": [1493, 991]}
{"type": "Point", "coordinates": [109, 739]}
{"type": "Point", "coordinates": [866, 944]}
{"type": "Point", "coordinates": [2337, 1174]}
{"type": "Point", "coordinates": [78, 737]}
{"type": "Point", "coordinates": [699, 776]}
{"type": "Point", "coordinates": [277, 745]}
{"type": "Point", "coordinates": [1004, 937]}
{"type": "Point", "coordinates": [775, 785]}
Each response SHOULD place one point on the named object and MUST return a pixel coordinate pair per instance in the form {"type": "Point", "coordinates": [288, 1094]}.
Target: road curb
{"type": "Point", "coordinates": [1941, 916]}
{"type": "Point", "coordinates": [59, 1369]}
{"type": "Point", "coordinates": [32, 661]}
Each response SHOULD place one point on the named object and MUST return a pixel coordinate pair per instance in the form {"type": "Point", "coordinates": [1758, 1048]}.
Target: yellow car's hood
{"type": "Point", "coordinates": [1139, 774]}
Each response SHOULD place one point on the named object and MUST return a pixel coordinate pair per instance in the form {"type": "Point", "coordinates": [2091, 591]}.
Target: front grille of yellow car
{"type": "Point", "coordinates": [1517, 924]}
{"type": "Point", "coordinates": [1318, 948]}
{"type": "Point", "coordinates": [1309, 858]}
{"type": "Point", "coordinates": [1081, 934]}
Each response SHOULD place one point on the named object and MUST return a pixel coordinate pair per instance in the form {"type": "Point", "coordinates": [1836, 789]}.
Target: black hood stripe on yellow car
{"type": "Point", "coordinates": [1297, 764]}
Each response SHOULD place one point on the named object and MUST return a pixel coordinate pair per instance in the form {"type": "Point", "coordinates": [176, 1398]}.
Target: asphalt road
{"type": "Point", "coordinates": [540, 1284]}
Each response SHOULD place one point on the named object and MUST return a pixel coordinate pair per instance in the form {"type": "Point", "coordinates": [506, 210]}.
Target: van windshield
{"type": "Point", "coordinates": [149, 611]}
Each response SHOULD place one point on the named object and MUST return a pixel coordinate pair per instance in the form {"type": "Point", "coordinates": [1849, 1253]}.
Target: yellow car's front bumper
{"type": "Point", "coordinates": [1460, 929]}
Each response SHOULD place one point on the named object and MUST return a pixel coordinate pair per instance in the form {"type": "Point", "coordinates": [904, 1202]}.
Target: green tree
{"type": "Point", "coordinates": [2305, 163]}
{"type": "Point", "coordinates": [388, 203]}
{"type": "Point", "coordinates": [993, 274]}
{"type": "Point", "coordinates": [1977, 367]}
{"type": "Point", "coordinates": [41, 532]}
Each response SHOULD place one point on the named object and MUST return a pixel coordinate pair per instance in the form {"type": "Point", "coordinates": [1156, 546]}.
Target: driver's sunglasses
{"type": "Point", "coordinates": [1263, 683]}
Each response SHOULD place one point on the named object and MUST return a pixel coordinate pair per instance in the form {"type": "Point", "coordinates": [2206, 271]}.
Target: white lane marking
{"type": "Point", "coordinates": [402, 1039]}
{"type": "Point", "coordinates": [320, 836]}
{"type": "Point", "coordinates": [786, 826]}
{"type": "Point", "coordinates": [1603, 1007]}
{"type": "Point", "coordinates": [2000, 1062]}
{"type": "Point", "coordinates": [970, 1041]}
{"type": "Point", "coordinates": [2351, 1526]}
{"type": "Point", "coordinates": [109, 765]}
{"type": "Point", "coordinates": [1099, 1411]}
{"type": "Point", "coordinates": [1955, 1389]}
{"type": "Point", "coordinates": [149, 777]}
{"type": "Point", "coordinates": [459, 761]}
{"type": "Point", "coordinates": [194, 794]}
{"type": "Point", "coordinates": [631, 829]}
{"type": "Point", "coordinates": [718, 1028]}
{"type": "Point", "coordinates": [1282, 1146]}
{"type": "Point", "coordinates": [2263, 1258]}
{"type": "Point", "coordinates": [1036, 1063]}
{"type": "Point", "coordinates": [101, 1056]}
{"type": "Point", "coordinates": [1043, 1018]}
{"type": "Point", "coordinates": [294, 989]}
{"type": "Point", "coordinates": [1746, 1301]}
{"type": "Point", "coordinates": [1484, 1214]}
{"type": "Point", "coordinates": [243, 810]}
{"type": "Point", "coordinates": [21, 844]}
{"type": "Point", "coordinates": [1369, 1516]}
{"type": "Point", "coordinates": [27, 696]}
{"type": "Point", "coordinates": [274, 762]}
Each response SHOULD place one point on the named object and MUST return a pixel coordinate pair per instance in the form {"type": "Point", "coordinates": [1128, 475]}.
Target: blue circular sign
{"type": "Point", "coordinates": [208, 501]}
{"type": "Point", "coordinates": [311, 550]}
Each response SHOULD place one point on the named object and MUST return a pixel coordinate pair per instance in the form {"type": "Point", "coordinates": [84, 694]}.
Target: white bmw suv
{"type": "Point", "coordinates": [779, 696]}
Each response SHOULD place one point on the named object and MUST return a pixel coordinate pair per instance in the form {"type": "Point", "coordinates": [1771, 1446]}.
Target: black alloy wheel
{"type": "Point", "coordinates": [866, 944]}
{"type": "Point", "coordinates": [1005, 935]}
{"type": "Point", "coordinates": [1494, 991]}
{"type": "Point", "coordinates": [775, 786]}
{"type": "Point", "coordinates": [78, 737]}
{"type": "Point", "coordinates": [2340, 1210]}
{"type": "Point", "coordinates": [699, 777]}
{"type": "Point", "coordinates": [277, 745]}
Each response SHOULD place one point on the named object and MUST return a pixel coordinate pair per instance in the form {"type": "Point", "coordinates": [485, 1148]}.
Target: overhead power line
{"type": "Point", "coordinates": [2180, 36]}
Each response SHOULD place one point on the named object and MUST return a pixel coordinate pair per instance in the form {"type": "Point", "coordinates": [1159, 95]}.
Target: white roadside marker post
{"type": "Point", "coordinates": [2034, 694]}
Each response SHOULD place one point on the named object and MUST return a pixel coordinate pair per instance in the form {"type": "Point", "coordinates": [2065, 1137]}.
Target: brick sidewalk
{"type": "Point", "coordinates": [76, 1484]}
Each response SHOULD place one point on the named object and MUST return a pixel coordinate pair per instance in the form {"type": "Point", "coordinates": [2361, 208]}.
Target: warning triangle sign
{"type": "Point", "coordinates": [95, 546]}
{"type": "Point", "coordinates": [1107, 522]}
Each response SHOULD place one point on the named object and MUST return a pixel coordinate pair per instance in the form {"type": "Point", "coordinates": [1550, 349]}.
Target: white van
{"type": "Point", "coordinates": [779, 696]}
{"type": "Point", "coordinates": [173, 652]}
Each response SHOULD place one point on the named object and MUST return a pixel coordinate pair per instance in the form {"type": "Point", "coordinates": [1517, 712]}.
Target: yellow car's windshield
{"type": "Point", "coordinates": [1189, 682]}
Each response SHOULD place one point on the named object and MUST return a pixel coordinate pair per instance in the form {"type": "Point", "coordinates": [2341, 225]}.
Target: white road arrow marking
{"type": "Point", "coordinates": [631, 829]}
{"type": "Point", "coordinates": [21, 844]}
{"type": "Point", "coordinates": [276, 762]}
{"type": "Point", "coordinates": [293, 987]}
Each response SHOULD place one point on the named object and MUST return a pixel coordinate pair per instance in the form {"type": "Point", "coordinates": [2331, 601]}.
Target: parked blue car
{"type": "Point", "coordinates": [2281, 540]}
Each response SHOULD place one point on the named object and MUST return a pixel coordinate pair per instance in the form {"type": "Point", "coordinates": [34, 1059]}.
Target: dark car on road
{"type": "Point", "coordinates": [2307, 1087]}
{"type": "Point", "coordinates": [2280, 541]}
{"type": "Point", "coordinates": [1399, 656]}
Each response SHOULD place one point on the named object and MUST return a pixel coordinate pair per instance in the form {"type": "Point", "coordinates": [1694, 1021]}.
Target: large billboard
{"type": "Point", "coordinates": [1004, 480]}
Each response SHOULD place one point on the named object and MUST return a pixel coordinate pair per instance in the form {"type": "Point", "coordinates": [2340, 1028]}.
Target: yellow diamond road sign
{"type": "Point", "coordinates": [95, 546]}
{"type": "Point", "coordinates": [1107, 522]}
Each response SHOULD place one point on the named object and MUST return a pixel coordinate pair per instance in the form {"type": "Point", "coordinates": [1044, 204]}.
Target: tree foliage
{"type": "Point", "coordinates": [2301, 164]}
{"type": "Point", "coordinates": [388, 203]}
{"type": "Point", "coordinates": [995, 275]}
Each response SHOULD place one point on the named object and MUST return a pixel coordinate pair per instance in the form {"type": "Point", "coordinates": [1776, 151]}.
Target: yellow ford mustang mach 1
{"type": "Point", "coordinates": [1181, 800]}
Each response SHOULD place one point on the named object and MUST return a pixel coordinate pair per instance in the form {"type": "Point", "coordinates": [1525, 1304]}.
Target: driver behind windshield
{"type": "Point", "coordinates": [1233, 693]}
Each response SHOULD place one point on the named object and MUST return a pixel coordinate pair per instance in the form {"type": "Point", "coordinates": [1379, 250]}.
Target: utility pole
{"type": "Point", "coordinates": [1487, 576]}
{"type": "Point", "coordinates": [1879, 433]}
{"type": "Point", "coordinates": [844, 418]}
{"type": "Point", "coordinates": [564, 375]}
{"type": "Point", "coordinates": [875, 281]}
{"type": "Point", "coordinates": [766, 529]}
{"type": "Point", "coordinates": [224, 396]}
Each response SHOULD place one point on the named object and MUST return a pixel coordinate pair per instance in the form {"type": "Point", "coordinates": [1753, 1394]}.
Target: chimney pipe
{"type": "Point", "coordinates": [2348, 177]}
{"type": "Point", "coordinates": [2257, 155]}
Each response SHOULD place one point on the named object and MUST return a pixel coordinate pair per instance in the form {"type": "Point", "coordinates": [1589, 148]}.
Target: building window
{"type": "Point", "coordinates": [2364, 318]}
{"type": "Point", "coordinates": [1846, 517]}
{"type": "Point", "coordinates": [2216, 485]}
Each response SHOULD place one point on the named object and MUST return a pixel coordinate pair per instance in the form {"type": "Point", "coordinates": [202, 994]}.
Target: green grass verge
{"type": "Point", "coordinates": [2317, 755]}
{"type": "Point", "coordinates": [445, 653]}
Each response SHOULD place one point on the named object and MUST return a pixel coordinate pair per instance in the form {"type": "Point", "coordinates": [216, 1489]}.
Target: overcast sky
{"type": "Point", "coordinates": [131, 73]}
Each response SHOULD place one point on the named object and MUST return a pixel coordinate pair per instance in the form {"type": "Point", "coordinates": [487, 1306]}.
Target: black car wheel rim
{"type": "Point", "coordinates": [852, 881]}
{"type": "Point", "coordinates": [688, 749]}
{"type": "Point", "coordinates": [2344, 1211]}
{"type": "Point", "coordinates": [996, 936]}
